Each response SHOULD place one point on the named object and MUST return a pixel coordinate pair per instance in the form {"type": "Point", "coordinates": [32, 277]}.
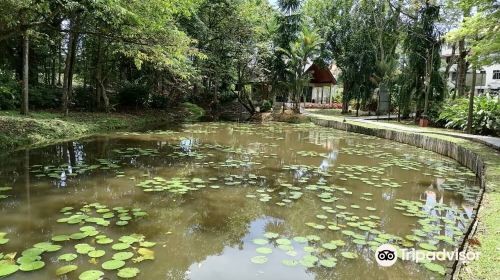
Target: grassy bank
{"type": "Point", "coordinates": [486, 239]}
{"type": "Point", "coordinates": [44, 127]}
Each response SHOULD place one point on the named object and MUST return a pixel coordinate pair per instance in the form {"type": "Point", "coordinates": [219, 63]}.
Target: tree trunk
{"type": "Point", "coordinates": [25, 101]}
{"type": "Point", "coordinates": [68, 68]}
{"type": "Point", "coordinates": [471, 101]}
{"type": "Point", "coordinates": [345, 102]}
{"type": "Point", "coordinates": [59, 58]}
{"type": "Point", "coordinates": [461, 69]}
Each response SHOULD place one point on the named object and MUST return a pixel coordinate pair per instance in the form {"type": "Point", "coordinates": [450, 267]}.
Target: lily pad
{"type": "Point", "coordinates": [32, 266]}
{"type": "Point", "coordinates": [128, 272]}
{"type": "Point", "coordinates": [7, 269]}
{"type": "Point", "coordinates": [283, 241]}
{"type": "Point", "coordinates": [260, 241]}
{"type": "Point", "coordinates": [123, 256]}
{"type": "Point", "coordinates": [120, 246]}
{"type": "Point", "coordinates": [290, 262]}
{"type": "Point", "coordinates": [66, 269]}
{"type": "Point", "coordinates": [427, 246]}
{"type": "Point", "coordinates": [112, 264]}
{"type": "Point", "coordinates": [67, 257]}
{"type": "Point", "coordinates": [91, 275]}
{"type": "Point", "coordinates": [435, 268]}
{"type": "Point", "coordinates": [349, 255]}
{"type": "Point", "coordinates": [96, 253]}
{"type": "Point", "coordinates": [259, 259]}
{"type": "Point", "coordinates": [328, 262]}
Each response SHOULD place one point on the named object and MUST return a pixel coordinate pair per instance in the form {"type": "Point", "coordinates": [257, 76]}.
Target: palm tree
{"type": "Point", "coordinates": [303, 51]}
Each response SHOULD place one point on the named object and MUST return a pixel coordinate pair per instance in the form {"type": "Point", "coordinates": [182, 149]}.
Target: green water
{"type": "Point", "coordinates": [212, 191]}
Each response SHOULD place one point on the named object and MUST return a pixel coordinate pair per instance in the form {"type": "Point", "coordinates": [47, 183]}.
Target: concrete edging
{"type": "Point", "coordinates": [450, 149]}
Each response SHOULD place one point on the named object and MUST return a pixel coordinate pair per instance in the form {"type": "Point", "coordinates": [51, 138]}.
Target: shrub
{"type": "Point", "coordinates": [266, 106]}
{"type": "Point", "coordinates": [9, 91]}
{"type": "Point", "coordinates": [133, 96]}
{"type": "Point", "coordinates": [45, 97]}
{"type": "Point", "coordinates": [160, 101]}
{"type": "Point", "coordinates": [486, 117]}
{"type": "Point", "coordinates": [195, 111]}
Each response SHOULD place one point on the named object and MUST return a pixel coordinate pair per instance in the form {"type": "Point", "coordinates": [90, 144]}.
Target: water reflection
{"type": "Point", "coordinates": [208, 233]}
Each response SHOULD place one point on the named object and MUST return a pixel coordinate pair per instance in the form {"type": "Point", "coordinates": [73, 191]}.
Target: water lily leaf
{"type": "Point", "coordinates": [78, 235]}
{"type": "Point", "coordinates": [59, 238]}
{"type": "Point", "coordinates": [264, 250]}
{"type": "Point", "coordinates": [104, 240]}
{"type": "Point", "coordinates": [32, 266]}
{"type": "Point", "coordinates": [300, 239]}
{"type": "Point", "coordinates": [66, 269]}
{"type": "Point", "coordinates": [67, 257]}
{"type": "Point", "coordinates": [290, 262]}
{"type": "Point", "coordinates": [7, 269]}
{"type": "Point", "coordinates": [112, 264]}
{"type": "Point", "coordinates": [259, 259]}
{"type": "Point", "coordinates": [91, 275]}
{"type": "Point", "coordinates": [32, 252]}
{"type": "Point", "coordinates": [349, 255]}
{"type": "Point", "coordinates": [427, 246]}
{"type": "Point", "coordinates": [260, 241]}
{"type": "Point", "coordinates": [146, 253]}
{"type": "Point", "coordinates": [48, 247]}
{"type": "Point", "coordinates": [96, 253]}
{"type": "Point", "coordinates": [120, 246]}
{"type": "Point", "coordinates": [147, 244]}
{"type": "Point", "coordinates": [28, 259]}
{"type": "Point", "coordinates": [328, 262]}
{"type": "Point", "coordinates": [123, 256]}
{"type": "Point", "coordinates": [435, 268]}
{"type": "Point", "coordinates": [283, 241]}
{"type": "Point", "coordinates": [271, 235]}
{"type": "Point", "coordinates": [329, 246]}
{"type": "Point", "coordinates": [128, 272]}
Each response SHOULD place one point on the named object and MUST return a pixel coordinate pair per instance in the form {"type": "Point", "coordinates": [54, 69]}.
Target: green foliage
{"type": "Point", "coordinates": [480, 30]}
{"type": "Point", "coordinates": [133, 96]}
{"type": "Point", "coordinates": [9, 91]}
{"type": "Point", "coordinates": [266, 106]}
{"type": "Point", "coordinates": [195, 111]}
{"type": "Point", "coordinates": [486, 117]}
{"type": "Point", "coordinates": [45, 97]}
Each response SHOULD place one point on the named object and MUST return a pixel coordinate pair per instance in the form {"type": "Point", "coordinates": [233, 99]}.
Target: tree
{"type": "Point", "coordinates": [289, 22]}
{"type": "Point", "coordinates": [481, 31]}
{"type": "Point", "coordinates": [296, 59]}
{"type": "Point", "coordinates": [423, 82]}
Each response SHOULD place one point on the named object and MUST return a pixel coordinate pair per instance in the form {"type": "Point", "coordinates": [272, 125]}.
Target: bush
{"type": "Point", "coordinates": [133, 96]}
{"type": "Point", "coordinates": [9, 91]}
{"type": "Point", "coordinates": [195, 111]}
{"type": "Point", "coordinates": [486, 117]}
{"type": "Point", "coordinates": [45, 97]}
{"type": "Point", "coordinates": [83, 98]}
{"type": "Point", "coordinates": [160, 101]}
{"type": "Point", "coordinates": [266, 106]}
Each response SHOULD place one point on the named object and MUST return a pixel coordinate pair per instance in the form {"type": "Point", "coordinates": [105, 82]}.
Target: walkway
{"type": "Point", "coordinates": [380, 121]}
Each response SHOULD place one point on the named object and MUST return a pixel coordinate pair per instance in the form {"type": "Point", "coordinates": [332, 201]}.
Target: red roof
{"type": "Point", "coordinates": [321, 75]}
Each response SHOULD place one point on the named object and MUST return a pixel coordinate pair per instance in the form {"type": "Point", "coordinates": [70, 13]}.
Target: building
{"type": "Point", "coordinates": [322, 85]}
{"type": "Point", "coordinates": [487, 78]}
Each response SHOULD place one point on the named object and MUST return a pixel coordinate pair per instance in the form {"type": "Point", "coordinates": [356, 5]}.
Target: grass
{"type": "Point", "coordinates": [488, 231]}
{"type": "Point", "coordinates": [486, 267]}
{"type": "Point", "coordinates": [40, 128]}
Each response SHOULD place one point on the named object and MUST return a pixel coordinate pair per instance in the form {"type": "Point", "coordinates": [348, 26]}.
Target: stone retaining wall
{"type": "Point", "coordinates": [450, 149]}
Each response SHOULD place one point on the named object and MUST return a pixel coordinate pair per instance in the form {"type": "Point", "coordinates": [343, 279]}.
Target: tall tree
{"type": "Point", "coordinates": [296, 58]}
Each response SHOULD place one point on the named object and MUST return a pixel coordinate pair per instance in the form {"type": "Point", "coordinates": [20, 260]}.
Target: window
{"type": "Point", "coordinates": [496, 74]}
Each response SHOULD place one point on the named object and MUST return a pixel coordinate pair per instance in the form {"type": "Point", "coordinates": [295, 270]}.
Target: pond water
{"type": "Point", "coordinates": [228, 201]}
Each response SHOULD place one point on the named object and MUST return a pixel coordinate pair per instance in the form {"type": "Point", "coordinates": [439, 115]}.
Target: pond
{"type": "Point", "coordinates": [228, 201]}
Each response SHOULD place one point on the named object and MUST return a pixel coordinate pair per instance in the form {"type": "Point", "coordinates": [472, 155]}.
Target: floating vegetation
{"type": "Point", "coordinates": [336, 194]}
